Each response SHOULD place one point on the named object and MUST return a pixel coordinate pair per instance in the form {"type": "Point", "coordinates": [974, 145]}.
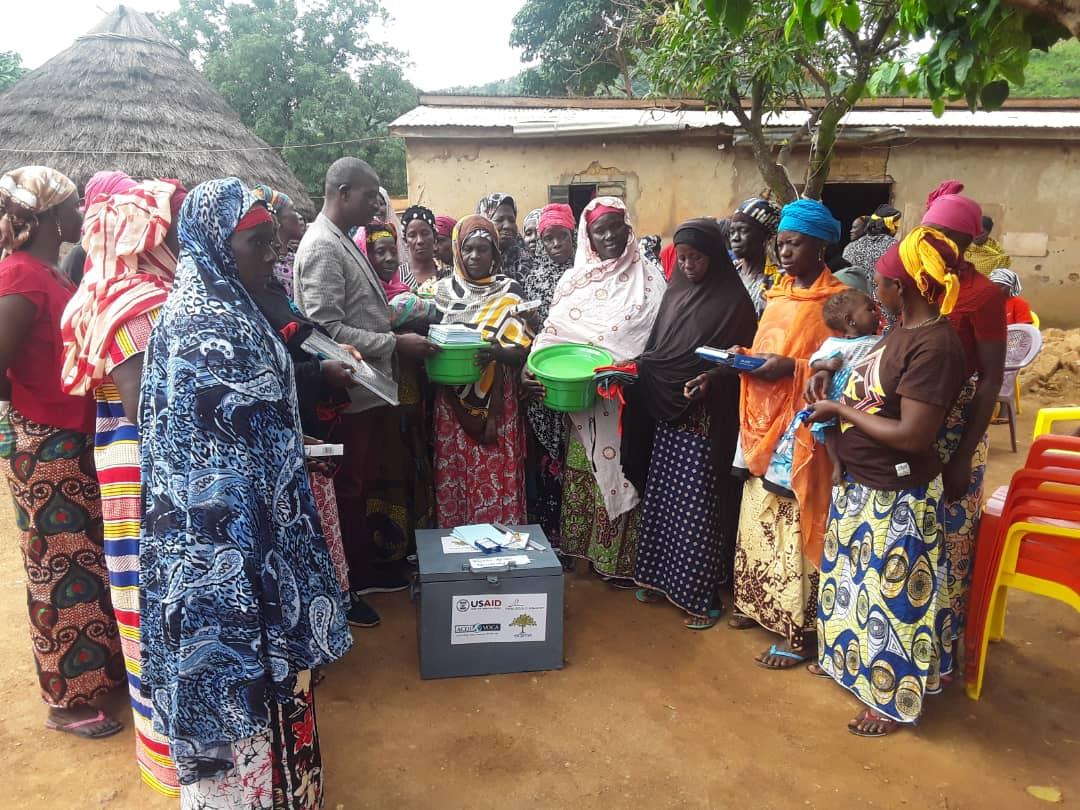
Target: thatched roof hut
{"type": "Point", "coordinates": [122, 97]}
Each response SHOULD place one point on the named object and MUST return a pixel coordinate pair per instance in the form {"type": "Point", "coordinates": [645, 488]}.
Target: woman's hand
{"type": "Point", "coordinates": [697, 388]}
{"type": "Point", "coordinates": [531, 388]}
{"type": "Point", "coordinates": [337, 374]}
{"type": "Point", "coordinates": [817, 387]}
{"type": "Point", "coordinates": [776, 367]}
{"type": "Point", "coordinates": [823, 410]}
{"type": "Point", "coordinates": [506, 355]}
{"type": "Point", "coordinates": [957, 478]}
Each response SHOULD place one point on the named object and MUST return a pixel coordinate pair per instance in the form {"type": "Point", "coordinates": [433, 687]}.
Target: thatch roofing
{"type": "Point", "coordinates": [122, 97]}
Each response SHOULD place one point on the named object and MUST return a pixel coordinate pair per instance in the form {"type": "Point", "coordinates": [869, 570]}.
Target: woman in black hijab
{"type": "Point", "coordinates": [690, 509]}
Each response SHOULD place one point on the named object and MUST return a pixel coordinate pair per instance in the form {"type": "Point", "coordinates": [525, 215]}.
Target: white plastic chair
{"type": "Point", "coordinates": [1023, 345]}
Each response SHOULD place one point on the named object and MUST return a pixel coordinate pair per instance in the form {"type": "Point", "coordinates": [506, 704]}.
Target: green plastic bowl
{"type": "Point", "coordinates": [455, 365]}
{"type": "Point", "coordinates": [567, 372]}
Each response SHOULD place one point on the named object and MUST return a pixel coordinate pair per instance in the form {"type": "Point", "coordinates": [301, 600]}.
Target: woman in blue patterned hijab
{"type": "Point", "coordinates": [241, 599]}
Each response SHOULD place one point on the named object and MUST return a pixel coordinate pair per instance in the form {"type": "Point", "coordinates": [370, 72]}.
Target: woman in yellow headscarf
{"type": "Point", "coordinates": [884, 621]}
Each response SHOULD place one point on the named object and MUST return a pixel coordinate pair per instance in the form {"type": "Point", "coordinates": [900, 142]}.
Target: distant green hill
{"type": "Point", "coordinates": [1054, 74]}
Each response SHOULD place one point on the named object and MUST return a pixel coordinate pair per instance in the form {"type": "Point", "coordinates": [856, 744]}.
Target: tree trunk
{"type": "Point", "coordinates": [824, 141]}
{"type": "Point", "coordinates": [775, 175]}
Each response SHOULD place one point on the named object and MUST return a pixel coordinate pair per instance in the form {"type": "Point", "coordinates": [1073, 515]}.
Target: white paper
{"type": "Point", "coordinates": [511, 618]}
{"type": "Point", "coordinates": [452, 545]}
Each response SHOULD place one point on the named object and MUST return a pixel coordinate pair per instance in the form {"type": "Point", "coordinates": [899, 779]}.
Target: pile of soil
{"type": "Point", "coordinates": [1055, 374]}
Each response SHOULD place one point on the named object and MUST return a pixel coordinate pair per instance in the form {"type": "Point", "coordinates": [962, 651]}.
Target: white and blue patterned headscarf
{"type": "Point", "coordinates": [238, 590]}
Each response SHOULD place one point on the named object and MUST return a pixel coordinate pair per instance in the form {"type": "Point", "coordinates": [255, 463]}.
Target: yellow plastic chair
{"type": "Point", "coordinates": [1035, 320]}
{"type": "Point", "coordinates": [1044, 422]}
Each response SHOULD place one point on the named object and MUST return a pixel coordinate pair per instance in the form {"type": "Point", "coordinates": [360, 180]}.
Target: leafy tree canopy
{"type": "Point", "coordinates": [11, 69]}
{"type": "Point", "coordinates": [303, 77]}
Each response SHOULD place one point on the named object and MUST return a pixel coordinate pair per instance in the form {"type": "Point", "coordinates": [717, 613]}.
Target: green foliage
{"type": "Point", "coordinates": [11, 69]}
{"type": "Point", "coordinates": [583, 47]}
{"type": "Point", "coordinates": [500, 87]}
{"type": "Point", "coordinates": [301, 77]}
{"type": "Point", "coordinates": [1055, 74]}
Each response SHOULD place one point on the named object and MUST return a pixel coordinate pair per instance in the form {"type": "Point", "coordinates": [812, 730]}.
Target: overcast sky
{"type": "Point", "coordinates": [458, 43]}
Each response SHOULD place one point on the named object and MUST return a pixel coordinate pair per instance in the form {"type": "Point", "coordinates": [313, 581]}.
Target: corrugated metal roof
{"type": "Point", "coordinates": [540, 122]}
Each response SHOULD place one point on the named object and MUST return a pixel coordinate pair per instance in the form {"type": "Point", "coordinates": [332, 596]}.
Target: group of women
{"type": "Point", "coordinates": [154, 416]}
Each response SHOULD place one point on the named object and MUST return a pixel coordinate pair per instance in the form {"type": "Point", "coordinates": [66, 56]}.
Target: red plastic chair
{"type": "Point", "coordinates": [1033, 545]}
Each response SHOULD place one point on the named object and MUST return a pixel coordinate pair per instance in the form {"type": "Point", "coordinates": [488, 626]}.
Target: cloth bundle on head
{"type": "Point", "coordinates": [556, 215]}
{"type": "Point", "coordinates": [758, 211]}
{"type": "Point", "coordinates": [947, 208]}
{"type": "Point", "coordinates": [490, 204]}
{"type": "Point", "coordinates": [444, 225]}
{"type": "Point", "coordinates": [25, 193]}
{"type": "Point", "coordinates": [129, 272]}
{"type": "Point", "coordinates": [812, 218]}
{"type": "Point", "coordinates": [418, 212]}
{"type": "Point", "coordinates": [611, 304]}
{"type": "Point", "coordinates": [1007, 279]}
{"type": "Point", "coordinates": [925, 259]}
{"type": "Point", "coordinates": [225, 494]}
{"type": "Point", "coordinates": [275, 200]}
{"type": "Point", "coordinates": [106, 183]}
{"type": "Point", "coordinates": [885, 219]}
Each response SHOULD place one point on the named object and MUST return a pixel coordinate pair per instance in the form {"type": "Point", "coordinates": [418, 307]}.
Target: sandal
{"type": "Point", "coordinates": [647, 596]}
{"type": "Point", "coordinates": [740, 622]}
{"type": "Point", "coordinates": [106, 726]}
{"type": "Point", "coordinates": [816, 670]}
{"type": "Point", "coordinates": [704, 622]}
{"type": "Point", "coordinates": [788, 658]}
{"type": "Point", "coordinates": [872, 724]}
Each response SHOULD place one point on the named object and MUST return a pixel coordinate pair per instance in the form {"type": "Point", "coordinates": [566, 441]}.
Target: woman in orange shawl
{"type": "Point", "coordinates": [778, 546]}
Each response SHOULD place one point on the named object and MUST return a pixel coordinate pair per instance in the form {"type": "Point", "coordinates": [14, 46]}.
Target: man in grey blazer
{"type": "Point", "coordinates": [336, 287]}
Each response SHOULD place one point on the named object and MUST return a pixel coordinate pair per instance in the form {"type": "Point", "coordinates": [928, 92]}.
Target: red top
{"type": "Point", "coordinates": [35, 372]}
{"type": "Point", "coordinates": [1017, 311]}
{"type": "Point", "coordinates": [668, 259]}
{"type": "Point", "coordinates": [979, 314]}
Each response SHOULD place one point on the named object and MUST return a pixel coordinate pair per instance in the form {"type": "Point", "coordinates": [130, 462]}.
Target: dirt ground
{"type": "Point", "coordinates": [645, 713]}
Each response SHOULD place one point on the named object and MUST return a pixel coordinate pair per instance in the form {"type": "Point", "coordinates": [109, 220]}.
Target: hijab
{"type": "Point", "coordinates": [129, 272]}
{"type": "Point", "coordinates": [240, 594]}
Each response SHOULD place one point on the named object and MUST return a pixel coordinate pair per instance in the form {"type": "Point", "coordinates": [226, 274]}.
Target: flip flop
{"type": "Point", "coordinates": [866, 717]}
{"type": "Point", "coordinates": [740, 622]}
{"type": "Point", "coordinates": [647, 596]}
{"type": "Point", "coordinates": [81, 728]}
{"type": "Point", "coordinates": [794, 657]}
{"type": "Point", "coordinates": [816, 670]}
{"type": "Point", "coordinates": [704, 622]}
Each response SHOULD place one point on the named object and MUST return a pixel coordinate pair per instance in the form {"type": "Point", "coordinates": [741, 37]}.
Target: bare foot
{"type": "Point", "coordinates": [871, 724]}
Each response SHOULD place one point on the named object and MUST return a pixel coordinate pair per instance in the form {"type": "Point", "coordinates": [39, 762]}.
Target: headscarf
{"type": "Point", "coordinates": [611, 304]}
{"type": "Point", "coordinates": [927, 260]}
{"type": "Point", "coordinates": [492, 202]}
{"type": "Point", "coordinates": [444, 225]}
{"type": "Point", "coordinates": [483, 303]}
{"type": "Point", "coordinates": [948, 208]}
{"type": "Point", "coordinates": [555, 215]}
{"type": "Point", "coordinates": [367, 237]}
{"type": "Point", "coordinates": [1007, 279]}
{"type": "Point", "coordinates": [812, 218]}
{"type": "Point", "coordinates": [129, 272]}
{"type": "Point", "coordinates": [884, 220]}
{"type": "Point", "coordinates": [240, 594]}
{"type": "Point", "coordinates": [25, 194]}
{"type": "Point", "coordinates": [716, 312]}
{"type": "Point", "coordinates": [759, 212]}
{"type": "Point", "coordinates": [532, 218]}
{"type": "Point", "coordinates": [419, 212]}
{"type": "Point", "coordinates": [105, 184]}
{"type": "Point", "coordinates": [275, 200]}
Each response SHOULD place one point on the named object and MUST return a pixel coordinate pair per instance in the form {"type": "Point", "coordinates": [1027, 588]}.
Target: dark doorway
{"type": "Point", "coordinates": [850, 200]}
{"type": "Point", "coordinates": [580, 195]}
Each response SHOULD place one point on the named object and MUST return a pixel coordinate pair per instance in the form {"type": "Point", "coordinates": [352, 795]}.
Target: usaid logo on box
{"type": "Point", "coordinates": [514, 619]}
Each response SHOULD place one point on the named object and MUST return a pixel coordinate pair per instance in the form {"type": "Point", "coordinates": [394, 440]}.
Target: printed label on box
{"type": "Point", "coordinates": [498, 618]}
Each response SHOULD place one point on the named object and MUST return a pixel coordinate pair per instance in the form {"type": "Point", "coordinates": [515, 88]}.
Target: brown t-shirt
{"type": "Point", "coordinates": [924, 364]}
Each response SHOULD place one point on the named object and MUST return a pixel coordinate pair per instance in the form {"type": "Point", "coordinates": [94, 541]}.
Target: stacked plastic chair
{"type": "Point", "coordinates": [1029, 539]}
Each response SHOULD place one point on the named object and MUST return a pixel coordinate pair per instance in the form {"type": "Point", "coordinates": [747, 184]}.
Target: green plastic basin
{"type": "Point", "coordinates": [455, 365]}
{"type": "Point", "coordinates": [567, 373]}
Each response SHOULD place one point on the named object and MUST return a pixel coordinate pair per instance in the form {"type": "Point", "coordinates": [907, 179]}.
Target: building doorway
{"type": "Point", "coordinates": [850, 200]}
{"type": "Point", "coordinates": [580, 194]}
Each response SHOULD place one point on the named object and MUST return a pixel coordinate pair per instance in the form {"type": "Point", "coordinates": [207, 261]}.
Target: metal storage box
{"type": "Point", "coordinates": [488, 622]}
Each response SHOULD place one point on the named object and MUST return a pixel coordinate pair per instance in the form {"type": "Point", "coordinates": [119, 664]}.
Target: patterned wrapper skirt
{"type": "Point", "coordinates": [280, 769]}
{"type": "Point", "coordinates": [884, 630]}
{"type": "Point", "coordinates": [58, 510]}
{"type": "Point", "coordinates": [544, 471]}
{"type": "Point", "coordinates": [322, 488]}
{"type": "Point", "coordinates": [587, 531]}
{"type": "Point", "coordinates": [680, 550]}
{"type": "Point", "coordinates": [116, 456]}
{"type": "Point", "coordinates": [479, 483]}
{"type": "Point", "coordinates": [774, 584]}
{"type": "Point", "coordinates": [962, 516]}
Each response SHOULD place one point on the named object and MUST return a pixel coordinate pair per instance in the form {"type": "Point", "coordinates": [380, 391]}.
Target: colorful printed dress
{"type": "Point", "coordinates": [116, 455]}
